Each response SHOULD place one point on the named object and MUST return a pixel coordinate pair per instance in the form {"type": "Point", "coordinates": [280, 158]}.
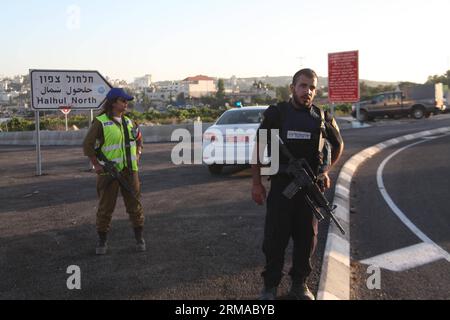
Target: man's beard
{"type": "Point", "coordinates": [305, 105]}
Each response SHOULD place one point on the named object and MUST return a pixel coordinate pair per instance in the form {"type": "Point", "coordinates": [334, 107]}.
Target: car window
{"type": "Point", "coordinates": [379, 98]}
{"type": "Point", "coordinates": [241, 116]}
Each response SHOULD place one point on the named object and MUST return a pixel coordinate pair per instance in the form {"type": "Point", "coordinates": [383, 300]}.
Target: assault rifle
{"type": "Point", "coordinates": [305, 179]}
{"type": "Point", "coordinates": [110, 168]}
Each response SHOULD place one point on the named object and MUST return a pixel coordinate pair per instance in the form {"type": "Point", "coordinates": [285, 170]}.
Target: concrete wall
{"type": "Point", "coordinates": [75, 138]}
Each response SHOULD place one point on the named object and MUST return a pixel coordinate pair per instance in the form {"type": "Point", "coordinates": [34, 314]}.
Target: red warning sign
{"type": "Point", "coordinates": [343, 76]}
{"type": "Point", "coordinates": [65, 110]}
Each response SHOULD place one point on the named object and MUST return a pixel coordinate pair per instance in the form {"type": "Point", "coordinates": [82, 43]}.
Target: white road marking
{"type": "Point", "coordinates": [444, 254]}
{"type": "Point", "coordinates": [406, 258]}
{"type": "Point", "coordinates": [335, 277]}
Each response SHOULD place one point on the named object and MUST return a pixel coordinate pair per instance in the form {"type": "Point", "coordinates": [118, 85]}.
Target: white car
{"type": "Point", "coordinates": [230, 141]}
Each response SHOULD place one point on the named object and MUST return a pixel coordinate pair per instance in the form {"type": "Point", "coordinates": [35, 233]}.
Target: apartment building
{"type": "Point", "coordinates": [200, 86]}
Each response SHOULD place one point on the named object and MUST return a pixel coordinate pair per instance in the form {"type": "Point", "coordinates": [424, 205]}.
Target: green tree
{"type": "Point", "coordinates": [367, 92]}
{"type": "Point", "coordinates": [135, 115]}
{"type": "Point", "coordinates": [445, 78]}
{"type": "Point", "coordinates": [181, 100]}
{"type": "Point", "coordinates": [220, 95]}
{"type": "Point", "coordinates": [20, 124]}
{"type": "Point", "coordinates": [436, 79]}
{"type": "Point", "coordinates": [261, 85]}
{"type": "Point", "coordinates": [263, 100]}
{"type": "Point", "coordinates": [146, 102]}
{"type": "Point", "coordinates": [283, 93]}
{"type": "Point", "coordinates": [407, 84]}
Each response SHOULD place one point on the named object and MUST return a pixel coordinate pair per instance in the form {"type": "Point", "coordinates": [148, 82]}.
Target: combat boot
{"type": "Point", "coordinates": [102, 244]}
{"type": "Point", "coordinates": [140, 242]}
{"type": "Point", "coordinates": [268, 294]}
{"type": "Point", "coordinates": [300, 291]}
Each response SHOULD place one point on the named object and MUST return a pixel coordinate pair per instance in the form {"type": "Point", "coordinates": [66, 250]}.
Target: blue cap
{"type": "Point", "coordinates": [115, 93]}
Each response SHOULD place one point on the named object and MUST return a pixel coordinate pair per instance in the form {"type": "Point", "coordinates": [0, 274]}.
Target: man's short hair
{"type": "Point", "coordinates": [309, 73]}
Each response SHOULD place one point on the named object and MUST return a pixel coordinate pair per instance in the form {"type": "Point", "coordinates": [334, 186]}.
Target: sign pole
{"type": "Point", "coordinates": [91, 117]}
{"type": "Point", "coordinates": [65, 90]}
{"type": "Point", "coordinates": [38, 145]}
{"type": "Point", "coordinates": [358, 112]}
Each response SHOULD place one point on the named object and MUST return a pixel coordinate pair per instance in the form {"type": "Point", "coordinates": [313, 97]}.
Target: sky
{"type": "Point", "coordinates": [397, 40]}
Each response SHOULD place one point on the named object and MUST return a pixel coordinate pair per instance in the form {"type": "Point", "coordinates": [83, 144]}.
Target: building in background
{"type": "Point", "coordinates": [200, 86]}
{"type": "Point", "coordinates": [142, 82]}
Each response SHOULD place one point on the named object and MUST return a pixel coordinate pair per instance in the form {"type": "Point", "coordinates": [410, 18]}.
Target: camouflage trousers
{"type": "Point", "coordinates": [108, 190]}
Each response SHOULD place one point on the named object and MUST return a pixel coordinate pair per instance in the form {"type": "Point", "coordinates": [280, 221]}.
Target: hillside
{"type": "Point", "coordinates": [244, 83]}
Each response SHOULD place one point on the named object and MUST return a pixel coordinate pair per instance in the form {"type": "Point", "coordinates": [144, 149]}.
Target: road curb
{"type": "Point", "coordinates": [335, 276]}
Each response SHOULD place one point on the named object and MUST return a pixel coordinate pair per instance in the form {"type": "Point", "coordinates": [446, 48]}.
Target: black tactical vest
{"type": "Point", "coordinates": [300, 130]}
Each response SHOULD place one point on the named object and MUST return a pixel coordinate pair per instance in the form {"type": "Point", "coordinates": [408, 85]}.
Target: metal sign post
{"type": "Point", "coordinates": [65, 89]}
{"type": "Point", "coordinates": [358, 112]}
{"type": "Point", "coordinates": [66, 111]}
{"type": "Point", "coordinates": [38, 144]}
{"type": "Point", "coordinates": [91, 117]}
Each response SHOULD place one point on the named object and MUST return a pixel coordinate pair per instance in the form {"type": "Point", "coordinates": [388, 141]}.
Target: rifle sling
{"type": "Point", "coordinates": [127, 144]}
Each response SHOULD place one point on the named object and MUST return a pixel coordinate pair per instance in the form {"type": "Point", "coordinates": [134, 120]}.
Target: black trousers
{"type": "Point", "coordinates": [286, 219]}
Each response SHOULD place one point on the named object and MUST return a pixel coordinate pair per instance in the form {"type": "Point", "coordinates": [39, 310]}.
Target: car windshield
{"type": "Point", "coordinates": [241, 116]}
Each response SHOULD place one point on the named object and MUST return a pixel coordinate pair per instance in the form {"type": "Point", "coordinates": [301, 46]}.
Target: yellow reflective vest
{"type": "Point", "coordinates": [114, 145]}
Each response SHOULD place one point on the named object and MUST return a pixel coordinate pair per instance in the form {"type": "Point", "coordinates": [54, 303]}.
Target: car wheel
{"type": "Point", "coordinates": [215, 168]}
{"type": "Point", "coordinates": [418, 112]}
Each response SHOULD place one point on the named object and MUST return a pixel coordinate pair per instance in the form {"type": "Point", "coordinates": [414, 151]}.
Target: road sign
{"type": "Point", "coordinates": [80, 90]}
{"type": "Point", "coordinates": [65, 110]}
{"type": "Point", "coordinates": [343, 76]}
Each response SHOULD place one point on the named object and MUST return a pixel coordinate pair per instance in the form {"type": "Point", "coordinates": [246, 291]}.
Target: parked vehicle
{"type": "Point", "coordinates": [417, 101]}
{"type": "Point", "coordinates": [446, 102]}
{"type": "Point", "coordinates": [232, 137]}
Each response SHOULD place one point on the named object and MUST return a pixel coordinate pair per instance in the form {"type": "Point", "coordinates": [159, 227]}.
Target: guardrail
{"type": "Point", "coordinates": [151, 134]}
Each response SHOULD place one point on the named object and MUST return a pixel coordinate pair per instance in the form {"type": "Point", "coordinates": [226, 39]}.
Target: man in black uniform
{"type": "Point", "coordinates": [309, 133]}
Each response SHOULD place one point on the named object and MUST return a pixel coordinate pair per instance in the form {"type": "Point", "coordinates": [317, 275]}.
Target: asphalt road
{"type": "Point", "coordinates": [417, 180]}
{"type": "Point", "coordinates": [204, 233]}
